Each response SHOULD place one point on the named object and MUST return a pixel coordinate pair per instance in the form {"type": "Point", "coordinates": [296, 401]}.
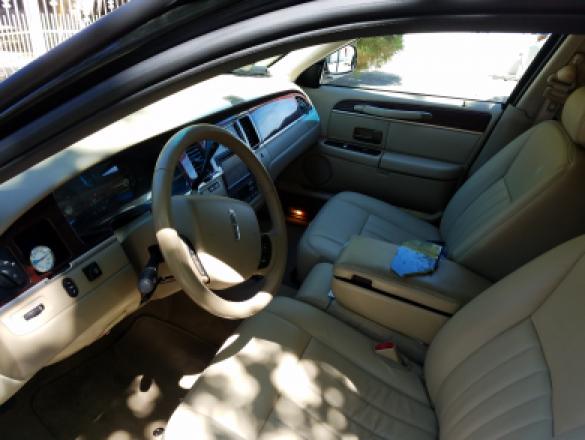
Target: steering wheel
{"type": "Point", "coordinates": [210, 242]}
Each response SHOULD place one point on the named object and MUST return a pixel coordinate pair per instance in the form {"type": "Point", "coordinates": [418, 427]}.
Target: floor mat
{"type": "Point", "coordinates": [128, 391]}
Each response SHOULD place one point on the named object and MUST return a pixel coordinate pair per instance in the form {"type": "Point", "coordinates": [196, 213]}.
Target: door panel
{"type": "Point", "coordinates": [419, 139]}
{"type": "Point", "coordinates": [449, 145]}
{"type": "Point", "coordinates": [409, 150]}
{"type": "Point", "coordinates": [401, 189]}
{"type": "Point", "coordinates": [344, 126]}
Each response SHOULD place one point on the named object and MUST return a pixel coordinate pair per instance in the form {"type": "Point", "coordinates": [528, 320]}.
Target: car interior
{"type": "Point", "coordinates": [218, 264]}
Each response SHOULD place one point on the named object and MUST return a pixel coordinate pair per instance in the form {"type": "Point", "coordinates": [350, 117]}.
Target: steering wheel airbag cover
{"type": "Point", "coordinates": [244, 254]}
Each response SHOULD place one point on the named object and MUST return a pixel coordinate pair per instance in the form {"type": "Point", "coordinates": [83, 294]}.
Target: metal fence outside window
{"type": "Point", "coordinates": [29, 28]}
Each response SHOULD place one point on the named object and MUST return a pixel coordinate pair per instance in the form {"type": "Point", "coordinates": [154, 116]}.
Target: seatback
{"type": "Point", "coordinates": [525, 200]}
{"type": "Point", "coordinates": [511, 363]}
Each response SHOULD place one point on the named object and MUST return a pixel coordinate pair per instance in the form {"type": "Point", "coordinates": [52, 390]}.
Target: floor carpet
{"type": "Point", "coordinates": [127, 391]}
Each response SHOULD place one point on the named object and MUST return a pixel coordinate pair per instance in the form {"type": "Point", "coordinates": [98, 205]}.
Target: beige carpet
{"type": "Point", "coordinates": [127, 391]}
{"type": "Point", "coordinates": [126, 384]}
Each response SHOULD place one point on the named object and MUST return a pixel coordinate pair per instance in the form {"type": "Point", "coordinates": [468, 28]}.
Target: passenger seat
{"type": "Point", "coordinates": [522, 202]}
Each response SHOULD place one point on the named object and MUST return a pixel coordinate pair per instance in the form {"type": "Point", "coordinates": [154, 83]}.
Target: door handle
{"type": "Point", "coordinates": [407, 115]}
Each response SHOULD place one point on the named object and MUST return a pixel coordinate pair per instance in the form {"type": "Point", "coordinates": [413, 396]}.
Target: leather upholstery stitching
{"type": "Point", "coordinates": [414, 399]}
{"type": "Point", "coordinates": [300, 356]}
{"type": "Point", "coordinates": [527, 202]}
{"type": "Point", "coordinates": [358, 396]}
{"type": "Point", "coordinates": [533, 324]}
{"type": "Point", "coordinates": [214, 422]}
{"type": "Point", "coordinates": [464, 210]}
{"type": "Point", "coordinates": [406, 396]}
{"type": "Point", "coordinates": [314, 417]}
{"type": "Point", "coordinates": [384, 218]}
{"type": "Point", "coordinates": [491, 202]}
{"type": "Point", "coordinates": [517, 211]}
{"type": "Point", "coordinates": [498, 391]}
{"type": "Point", "coordinates": [283, 423]}
{"type": "Point", "coordinates": [518, 428]}
{"type": "Point", "coordinates": [363, 399]}
{"type": "Point", "coordinates": [576, 432]}
{"type": "Point", "coordinates": [520, 320]}
{"type": "Point", "coordinates": [397, 225]}
{"type": "Point", "coordinates": [487, 373]}
{"type": "Point", "coordinates": [333, 239]}
{"type": "Point", "coordinates": [506, 412]}
{"type": "Point", "coordinates": [387, 414]}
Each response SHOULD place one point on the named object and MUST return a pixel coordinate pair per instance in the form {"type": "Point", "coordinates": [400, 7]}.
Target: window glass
{"type": "Point", "coordinates": [30, 28]}
{"type": "Point", "coordinates": [481, 66]}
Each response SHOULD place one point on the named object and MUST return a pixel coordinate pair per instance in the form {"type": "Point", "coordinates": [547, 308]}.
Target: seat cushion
{"type": "Point", "coordinates": [348, 214]}
{"type": "Point", "coordinates": [508, 365]}
{"type": "Point", "coordinates": [292, 371]}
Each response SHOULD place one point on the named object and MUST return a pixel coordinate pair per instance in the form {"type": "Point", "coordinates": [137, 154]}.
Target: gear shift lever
{"type": "Point", "coordinates": [148, 278]}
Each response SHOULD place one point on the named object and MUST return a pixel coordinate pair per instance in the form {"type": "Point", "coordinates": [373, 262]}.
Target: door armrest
{"type": "Point", "coordinates": [420, 166]}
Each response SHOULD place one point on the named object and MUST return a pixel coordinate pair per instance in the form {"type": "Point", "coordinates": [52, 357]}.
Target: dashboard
{"type": "Point", "coordinates": [77, 228]}
{"type": "Point", "coordinates": [88, 209]}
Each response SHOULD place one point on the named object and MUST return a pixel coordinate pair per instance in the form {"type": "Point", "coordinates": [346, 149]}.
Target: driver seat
{"type": "Point", "coordinates": [509, 365]}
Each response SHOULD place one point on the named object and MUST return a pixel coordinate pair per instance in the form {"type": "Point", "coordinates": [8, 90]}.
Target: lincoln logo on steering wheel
{"type": "Point", "coordinates": [235, 225]}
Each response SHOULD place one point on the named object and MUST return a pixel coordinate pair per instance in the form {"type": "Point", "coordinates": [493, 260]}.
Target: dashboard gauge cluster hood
{"type": "Point", "coordinates": [218, 94]}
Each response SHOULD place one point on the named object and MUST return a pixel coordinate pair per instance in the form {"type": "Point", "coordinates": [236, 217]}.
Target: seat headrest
{"type": "Point", "coordinates": [573, 116]}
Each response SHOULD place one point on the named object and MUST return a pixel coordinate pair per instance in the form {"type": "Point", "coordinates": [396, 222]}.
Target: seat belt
{"type": "Point", "coordinates": [559, 87]}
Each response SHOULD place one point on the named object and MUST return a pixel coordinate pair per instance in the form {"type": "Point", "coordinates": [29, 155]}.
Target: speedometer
{"type": "Point", "coordinates": [42, 259]}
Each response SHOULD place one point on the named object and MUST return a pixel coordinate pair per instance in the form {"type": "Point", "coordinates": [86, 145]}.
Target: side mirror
{"type": "Point", "coordinates": [341, 61]}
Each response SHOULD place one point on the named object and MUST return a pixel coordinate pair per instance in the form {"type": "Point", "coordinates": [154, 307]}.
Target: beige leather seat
{"type": "Point", "coordinates": [509, 365]}
{"type": "Point", "coordinates": [522, 202]}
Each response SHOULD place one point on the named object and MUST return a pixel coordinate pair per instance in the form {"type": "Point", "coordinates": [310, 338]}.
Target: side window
{"type": "Point", "coordinates": [479, 66]}
{"type": "Point", "coordinates": [30, 28]}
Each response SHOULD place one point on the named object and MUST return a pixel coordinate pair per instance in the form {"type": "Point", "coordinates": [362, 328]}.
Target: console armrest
{"type": "Point", "coordinates": [417, 306]}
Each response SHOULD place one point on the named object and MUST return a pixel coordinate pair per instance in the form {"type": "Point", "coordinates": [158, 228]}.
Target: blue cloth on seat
{"type": "Point", "coordinates": [416, 258]}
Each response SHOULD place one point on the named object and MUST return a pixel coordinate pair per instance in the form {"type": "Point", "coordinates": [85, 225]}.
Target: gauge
{"type": "Point", "coordinates": [42, 259]}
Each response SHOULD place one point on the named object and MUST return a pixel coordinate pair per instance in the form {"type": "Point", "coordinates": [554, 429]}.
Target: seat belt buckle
{"type": "Point", "coordinates": [389, 350]}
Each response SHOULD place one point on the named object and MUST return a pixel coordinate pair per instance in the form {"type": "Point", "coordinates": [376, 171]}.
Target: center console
{"type": "Point", "coordinates": [361, 289]}
{"type": "Point", "coordinates": [415, 306]}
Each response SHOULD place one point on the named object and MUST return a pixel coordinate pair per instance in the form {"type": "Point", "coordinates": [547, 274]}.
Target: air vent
{"type": "Point", "coordinates": [238, 130]}
{"type": "Point", "coordinates": [196, 155]}
{"type": "Point", "coordinates": [304, 106]}
{"type": "Point", "coordinates": [250, 132]}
